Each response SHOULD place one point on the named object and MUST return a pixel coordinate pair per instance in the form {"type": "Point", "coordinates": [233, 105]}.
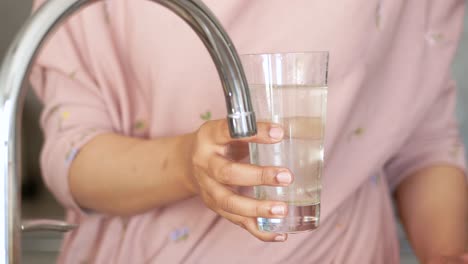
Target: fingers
{"type": "Point", "coordinates": [215, 173]}
{"type": "Point", "coordinates": [267, 133]}
{"type": "Point", "coordinates": [250, 225]}
{"type": "Point", "coordinates": [239, 174]}
{"type": "Point", "coordinates": [220, 197]}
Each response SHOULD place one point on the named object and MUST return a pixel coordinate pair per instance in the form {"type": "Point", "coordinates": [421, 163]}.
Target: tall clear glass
{"type": "Point", "coordinates": [291, 89]}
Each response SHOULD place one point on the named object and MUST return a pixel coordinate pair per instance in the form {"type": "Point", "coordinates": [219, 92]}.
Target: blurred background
{"type": "Point", "coordinates": [41, 248]}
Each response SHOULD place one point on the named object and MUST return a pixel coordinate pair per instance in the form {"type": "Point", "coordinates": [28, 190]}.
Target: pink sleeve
{"type": "Point", "coordinates": [436, 139]}
{"type": "Point", "coordinates": [435, 142]}
{"type": "Point", "coordinates": [74, 109]}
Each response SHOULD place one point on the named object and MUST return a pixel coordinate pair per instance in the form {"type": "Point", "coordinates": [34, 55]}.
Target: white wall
{"type": "Point", "coordinates": [460, 71]}
{"type": "Point", "coordinates": [12, 14]}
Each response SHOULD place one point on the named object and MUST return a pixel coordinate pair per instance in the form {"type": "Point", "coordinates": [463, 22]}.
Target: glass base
{"type": "Point", "coordinates": [299, 219]}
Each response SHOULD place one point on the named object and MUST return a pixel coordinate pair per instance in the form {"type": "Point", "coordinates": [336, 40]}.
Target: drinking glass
{"type": "Point", "coordinates": [290, 89]}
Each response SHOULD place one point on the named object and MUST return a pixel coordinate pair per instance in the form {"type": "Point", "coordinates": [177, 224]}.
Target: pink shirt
{"type": "Point", "coordinates": [124, 66]}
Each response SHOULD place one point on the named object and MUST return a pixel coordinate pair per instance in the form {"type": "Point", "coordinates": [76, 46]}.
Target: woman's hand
{"type": "Point", "coordinates": [215, 175]}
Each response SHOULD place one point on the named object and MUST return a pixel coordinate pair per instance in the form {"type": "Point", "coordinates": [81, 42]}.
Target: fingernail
{"type": "Point", "coordinates": [276, 132]}
{"type": "Point", "coordinates": [278, 210]}
{"type": "Point", "coordinates": [284, 177]}
{"type": "Point", "coordinates": [280, 238]}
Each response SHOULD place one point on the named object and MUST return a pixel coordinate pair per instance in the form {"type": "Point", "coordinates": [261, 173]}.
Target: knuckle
{"type": "Point", "coordinates": [226, 173]}
{"type": "Point", "coordinates": [224, 151]}
{"type": "Point", "coordinates": [198, 166]}
{"type": "Point", "coordinates": [197, 150]}
{"type": "Point", "coordinates": [205, 126]}
{"type": "Point", "coordinates": [224, 129]}
{"type": "Point", "coordinates": [223, 126]}
{"type": "Point", "coordinates": [200, 132]}
{"type": "Point", "coordinates": [262, 176]}
{"type": "Point", "coordinates": [204, 131]}
{"type": "Point", "coordinates": [228, 203]}
{"type": "Point", "coordinates": [196, 160]}
{"type": "Point", "coordinates": [211, 166]}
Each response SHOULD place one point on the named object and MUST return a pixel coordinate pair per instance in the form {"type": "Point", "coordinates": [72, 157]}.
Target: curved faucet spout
{"type": "Point", "coordinates": [17, 64]}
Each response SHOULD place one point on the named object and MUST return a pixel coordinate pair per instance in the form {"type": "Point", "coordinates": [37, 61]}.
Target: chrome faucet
{"type": "Point", "coordinates": [15, 69]}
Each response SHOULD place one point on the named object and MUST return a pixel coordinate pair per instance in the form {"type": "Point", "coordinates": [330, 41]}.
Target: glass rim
{"type": "Point", "coordinates": [323, 52]}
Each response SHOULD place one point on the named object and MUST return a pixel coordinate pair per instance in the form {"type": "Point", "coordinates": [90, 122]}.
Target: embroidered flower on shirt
{"type": "Point", "coordinates": [106, 12]}
{"type": "Point", "coordinates": [356, 133]}
{"type": "Point", "coordinates": [70, 156]}
{"type": "Point", "coordinates": [378, 15]}
{"type": "Point", "coordinates": [375, 179]}
{"type": "Point", "coordinates": [65, 115]}
{"type": "Point", "coordinates": [206, 116]}
{"type": "Point", "coordinates": [180, 234]}
{"type": "Point", "coordinates": [434, 37]}
{"type": "Point", "coordinates": [139, 125]}
{"type": "Point", "coordinates": [72, 75]}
